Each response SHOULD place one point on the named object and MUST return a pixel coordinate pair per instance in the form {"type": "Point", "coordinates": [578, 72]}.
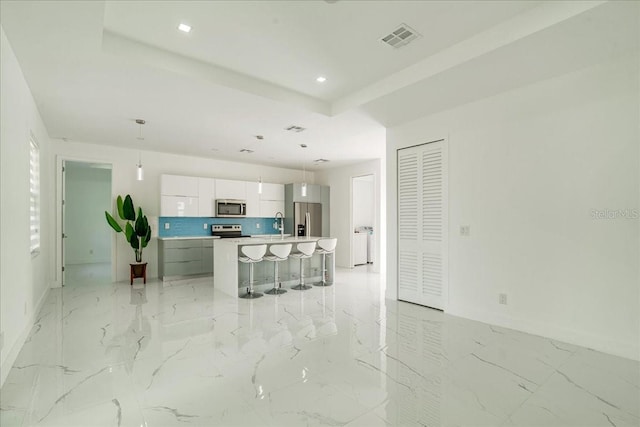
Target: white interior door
{"type": "Point", "coordinates": [422, 224]}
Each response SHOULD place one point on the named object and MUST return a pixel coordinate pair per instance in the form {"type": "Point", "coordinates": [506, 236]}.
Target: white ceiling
{"type": "Point", "coordinates": [249, 68]}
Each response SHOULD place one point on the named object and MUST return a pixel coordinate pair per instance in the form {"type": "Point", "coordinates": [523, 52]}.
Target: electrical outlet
{"type": "Point", "coordinates": [205, 226]}
{"type": "Point", "coordinates": [167, 225]}
{"type": "Point", "coordinates": [465, 230]}
{"type": "Point", "coordinates": [502, 299]}
{"type": "Point", "coordinates": [257, 225]}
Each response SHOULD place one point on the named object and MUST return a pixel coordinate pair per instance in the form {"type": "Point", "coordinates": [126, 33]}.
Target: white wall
{"type": "Point", "coordinates": [339, 179]}
{"type": "Point", "coordinates": [526, 170]}
{"type": "Point", "coordinates": [146, 194]}
{"type": "Point", "coordinates": [87, 196]}
{"type": "Point", "coordinates": [24, 279]}
{"type": "Point", "coordinates": [364, 202]}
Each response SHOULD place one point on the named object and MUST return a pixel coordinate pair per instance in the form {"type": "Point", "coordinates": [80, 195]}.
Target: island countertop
{"type": "Point", "coordinates": [188, 238]}
{"type": "Point", "coordinates": [270, 239]}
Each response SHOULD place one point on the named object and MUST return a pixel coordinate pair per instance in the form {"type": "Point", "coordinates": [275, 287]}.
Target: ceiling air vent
{"type": "Point", "coordinates": [401, 36]}
{"type": "Point", "coordinates": [294, 128]}
{"type": "Point", "coordinates": [319, 161]}
{"type": "Point", "coordinates": [246, 150]}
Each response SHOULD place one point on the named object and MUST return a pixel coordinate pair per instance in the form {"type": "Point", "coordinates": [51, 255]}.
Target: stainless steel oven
{"type": "Point", "coordinates": [226, 208]}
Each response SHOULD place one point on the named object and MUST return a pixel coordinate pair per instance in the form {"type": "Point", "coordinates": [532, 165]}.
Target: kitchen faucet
{"type": "Point", "coordinates": [281, 224]}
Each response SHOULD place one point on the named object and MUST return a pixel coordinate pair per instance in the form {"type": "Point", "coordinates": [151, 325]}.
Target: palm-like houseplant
{"type": "Point", "coordinates": [136, 229]}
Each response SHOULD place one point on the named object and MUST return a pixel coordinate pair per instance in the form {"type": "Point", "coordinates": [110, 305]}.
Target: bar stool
{"type": "Point", "coordinates": [325, 247]}
{"type": "Point", "coordinates": [252, 254]}
{"type": "Point", "coordinates": [304, 251]}
{"type": "Point", "coordinates": [278, 253]}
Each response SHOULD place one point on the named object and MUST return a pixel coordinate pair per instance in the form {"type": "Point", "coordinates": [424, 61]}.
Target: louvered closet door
{"type": "Point", "coordinates": [422, 225]}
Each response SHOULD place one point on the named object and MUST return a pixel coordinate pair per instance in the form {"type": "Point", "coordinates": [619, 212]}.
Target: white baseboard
{"type": "Point", "coordinates": [604, 344]}
{"type": "Point", "coordinates": [17, 346]}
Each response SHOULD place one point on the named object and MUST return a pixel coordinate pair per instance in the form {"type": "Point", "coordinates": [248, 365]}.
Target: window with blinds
{"type": "Point", "coordinates": [34, 198]}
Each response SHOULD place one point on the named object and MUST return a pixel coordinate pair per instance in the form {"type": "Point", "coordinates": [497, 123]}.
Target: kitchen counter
{"type": "Point", "coordinates": [188, 237]}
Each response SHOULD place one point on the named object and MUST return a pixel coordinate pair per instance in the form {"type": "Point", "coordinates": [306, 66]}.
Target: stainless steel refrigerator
{"type": "Point", "coordinates": [307, 219]}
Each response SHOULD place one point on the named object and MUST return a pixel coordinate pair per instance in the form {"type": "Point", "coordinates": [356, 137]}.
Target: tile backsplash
{"type": "Point", "coordinates": [194, 226]}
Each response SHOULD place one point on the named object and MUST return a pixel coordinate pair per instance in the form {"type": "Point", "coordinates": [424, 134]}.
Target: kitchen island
{"type": "Point", "coordinates": [230, 277]}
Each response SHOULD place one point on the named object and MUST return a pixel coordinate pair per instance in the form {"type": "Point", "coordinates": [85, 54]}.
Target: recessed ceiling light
{"type": "Point", "coordinates": [184, 28]}
{"type": "Point", "coordinates": [321, 79]}
{"type": "Point", "coordinates": [294, 128]}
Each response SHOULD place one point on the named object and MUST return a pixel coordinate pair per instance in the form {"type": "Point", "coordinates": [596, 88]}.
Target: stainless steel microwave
{"type": "Point", "coordinates": [226, 208]}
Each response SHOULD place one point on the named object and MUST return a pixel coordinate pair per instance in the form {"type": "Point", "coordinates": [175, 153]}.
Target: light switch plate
{"type": "Point", "coordinates": [167, 225]}
{"type": "Point", "coordinates": [205, 226]}
{"type": "Point", "coordinates": [257, 225]}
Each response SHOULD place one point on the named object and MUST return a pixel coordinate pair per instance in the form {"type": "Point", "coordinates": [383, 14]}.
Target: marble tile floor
{"type": "Point", "coordinates": [179, 353]}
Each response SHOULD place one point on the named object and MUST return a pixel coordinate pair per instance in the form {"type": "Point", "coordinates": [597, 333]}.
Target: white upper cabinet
{"type": "Point", "coordinates": [178, 185]}
{"type": "Point", "coordinates": [269, 208]}
{"type": "Point", "coordinates": [178, 206]}
{"type": "Point", "coordinates": [272, 191]}
{"type": "Point", "coordinates": [252, 198]}
{"type": "Point", "coordinates": [206, 197]}
{"type": "Point", "coordinates": [228, 189]}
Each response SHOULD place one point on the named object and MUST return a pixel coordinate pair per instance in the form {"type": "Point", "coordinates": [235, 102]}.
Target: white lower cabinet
{"type": "Point", "coordinates": [178, 206]}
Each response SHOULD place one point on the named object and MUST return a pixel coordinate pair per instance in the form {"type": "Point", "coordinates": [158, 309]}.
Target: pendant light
{"type": "Point", "coordinates": [303, 188]}
{"type": "Point", "coordinates": [139, 169]}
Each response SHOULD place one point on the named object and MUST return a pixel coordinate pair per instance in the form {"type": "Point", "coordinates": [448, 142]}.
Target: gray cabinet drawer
{"type": "Point", "coordinates": [182, 243]}
{"type": "Point", "coordinates": [182, 268]}
{"type": "Point", "coordinates": [182, 254]}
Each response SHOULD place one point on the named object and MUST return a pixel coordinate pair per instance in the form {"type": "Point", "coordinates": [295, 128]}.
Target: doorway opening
{"type": "Point", "coordinates": [363, 220]}
{"type": "Point", "coordinates": [86, 242]}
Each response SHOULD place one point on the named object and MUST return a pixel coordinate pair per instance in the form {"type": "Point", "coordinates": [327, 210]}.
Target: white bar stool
{"type": "Point", "coordinates": [326, 247]}
{"type": "Point", "coordinates": [278, 253]}
{"type": "Point", "coordinates": [252, 254]}
{"type": "Point", "coordinates": [304, 251]}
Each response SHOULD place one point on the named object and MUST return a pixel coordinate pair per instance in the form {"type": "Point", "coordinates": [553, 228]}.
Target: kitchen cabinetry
{"type": "Point", "coordinates": [184, 257]}
{"type": "Point", "coordinates": [271, 200]}
{"type": "Point", "coordinates": [252, 198]}
{"type": "Point", "coordinates": [178, 195]}
{"type": "Point", "coordinates": [178, 206]}
{"type": "Point", "coordinates": [195, 197]}
{"type": "Point", "coordinates": [314, 193]}
{"type": "Point", "coordinates": [228, 189]}
{"type": "Point", "coordinates": [269, 208]}
{"type": "Point", "coordinates": [206, 197]}
{"type": "Point", "coordinates": [178, 185]}
{"type": "Point", "coordinates": [272, 191]}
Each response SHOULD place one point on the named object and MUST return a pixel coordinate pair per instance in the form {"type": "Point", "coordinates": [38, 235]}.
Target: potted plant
{"type": "Point", "coordinates": [136, 230]}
